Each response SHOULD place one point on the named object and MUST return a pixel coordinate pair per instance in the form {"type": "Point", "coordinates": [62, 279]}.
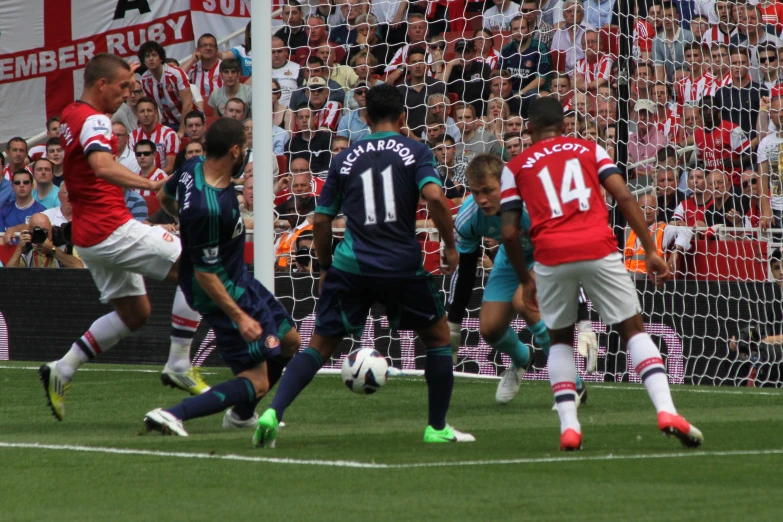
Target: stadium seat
{"type": "Point", "coordinates": [243, 79]}
{"type": "Point", "coordinates": [153, 205]}
{"type": "Point", "coordinates": [453, 97]}
{"type": "Point", "coordinates": [282, 163]}
{"type": "Point", "coordinates": [558, 60]}
{"type": "Point", "coordinates": [430, 251]}
{"type": "Point", "coordinates": [208, 109]}
{"type": "Point", "coordinates": [210, 119]}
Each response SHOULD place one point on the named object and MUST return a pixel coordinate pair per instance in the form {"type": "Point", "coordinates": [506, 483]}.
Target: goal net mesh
{"type": "Point", "coordinates": [638, 78]}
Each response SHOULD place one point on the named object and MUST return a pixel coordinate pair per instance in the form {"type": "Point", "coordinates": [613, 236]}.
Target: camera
{"type": "Point", "coordinates": [748, 339]}
{"type": "Point", "coordinates": [38, 235]}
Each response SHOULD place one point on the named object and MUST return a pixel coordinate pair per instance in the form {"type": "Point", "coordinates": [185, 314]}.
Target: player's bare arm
{"type": "Point", "coordinates": [216, 290]}
{"type": "Point", "coordinates": [322, 241]}
{"type": "Point", "coordinates": [187, 105]}
{"type": "Point", "coordinates": [168, 204]}
{"type": "Point", "coordinates": [656, 266]}
{"type": "Point", "coordinates": [509, 232]}
{"type": "Point", "coordinates": [441, 217]}
{"type": "Point", "coordinates": [106, 168]}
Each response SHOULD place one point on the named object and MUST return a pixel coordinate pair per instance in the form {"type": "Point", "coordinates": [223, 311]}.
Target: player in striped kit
{"type": "Point", "coordinates": [167, 84]}
{"type": "Point", "coordinates": [478, 218]}
{"type": "Point", "coordinates": [560, 179]}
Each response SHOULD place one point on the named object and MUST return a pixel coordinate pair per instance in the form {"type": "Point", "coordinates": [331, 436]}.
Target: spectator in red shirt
{"type": "Point", "coordinates": [203, 66]}
{"type": "Point", "coordinates": [317, 35]}
{"type": "Point", "coordinates": [166, 84]}
{"type": "Point", "coordinates": [327, 113]}
{"type": "Point", "coordinates": [145, 157]}
{"type": "Point", "coordinates": [721, 144]}
{"type": "Point", "coordinates": [15, 156]}
{"type": "Point", "coordinates": [595, 68]}
{"type": "Point", "coordinates": [165, 138]}
{"type": "Point", "coordinates": [692, 211]}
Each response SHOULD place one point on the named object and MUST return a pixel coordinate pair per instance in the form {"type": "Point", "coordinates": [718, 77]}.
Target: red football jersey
{"type": "Point", "coordinates": [559, 180]}
{"type": "Point", "coordinates": [725, 141]}
{"type": "Point", "coordinates": [98, 206]}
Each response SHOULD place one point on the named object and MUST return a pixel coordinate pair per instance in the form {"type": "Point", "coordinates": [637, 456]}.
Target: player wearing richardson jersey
{"type": "Point", "coordinates": [560, 179]}
{"type": "Point", "coordinates": [255, 335]}
{"type": "Point", "coordinates": [478, 218]}
{"type": "Point", "coordinates": [167, 84]}
{"type": "Point", "coordinates": [376, 183]}
{"type": "Point", "coordinates": [117, 249]}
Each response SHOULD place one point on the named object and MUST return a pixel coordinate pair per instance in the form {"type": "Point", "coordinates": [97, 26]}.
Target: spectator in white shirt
{"type": "Point", "coordinates": [125, 156]}
{"type": "Point", "coordinates": [498, 18]}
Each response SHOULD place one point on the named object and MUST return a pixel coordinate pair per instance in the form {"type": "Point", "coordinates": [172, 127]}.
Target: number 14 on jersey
{"type": "Point", "coordinates": [572, 188]}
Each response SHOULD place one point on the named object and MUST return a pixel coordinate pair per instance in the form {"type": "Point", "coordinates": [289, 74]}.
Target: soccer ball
{"type": "Point", "coordinates": [364, 371]}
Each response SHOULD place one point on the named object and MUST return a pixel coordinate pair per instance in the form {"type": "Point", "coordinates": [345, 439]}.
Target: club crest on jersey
{"type": "Point", "coordinates": [239, 228]}
{"type": "Point", "coordinates": [211, 256]}
{"type": "Point", "coordinates": [272, 342]}
{"type": "Point", "coordinates": [168, 237]}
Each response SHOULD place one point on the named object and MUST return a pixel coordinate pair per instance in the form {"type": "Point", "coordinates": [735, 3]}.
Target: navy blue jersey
{"type": "Point", "coordinates": [212, 234]}
{"type": "Point", "coordinates": [526, 66]}
{"type": "Point", "coordinates": [375, 183]}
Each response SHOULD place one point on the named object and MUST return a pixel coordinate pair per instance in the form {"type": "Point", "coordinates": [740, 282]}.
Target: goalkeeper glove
{"type": "Point", "coordinates": [455, 336]}
{"type": "Point", "coordinates": [587, 345]}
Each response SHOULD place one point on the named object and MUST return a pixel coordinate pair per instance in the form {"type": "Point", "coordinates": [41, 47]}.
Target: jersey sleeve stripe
{"type": "Point", "coordinates": [332, 210]}
{"type": "Point", "coordinates": [430, 179]}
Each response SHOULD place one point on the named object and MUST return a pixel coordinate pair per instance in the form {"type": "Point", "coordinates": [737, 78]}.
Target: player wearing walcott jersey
{"type": "Point", "coordinates": [254, 333]}
{"type": "Point", "coordinates": [479, 217]}
{"type": "Point", "coordinates": [560, 179]}
{"type": "Point", "coordinates": [118, 250]}
{"type": "Point", "coordinates": [376, 183]}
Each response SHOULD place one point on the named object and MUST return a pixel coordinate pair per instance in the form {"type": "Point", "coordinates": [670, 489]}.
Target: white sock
{"type": "Point", "coordinates": [562, 376]}
{"type": "Point", "coordinates": [184, 322]}
{"type": "Point", "coordinates": [649, 366]}
{"type": "Point", "coordinates": [104, 333]}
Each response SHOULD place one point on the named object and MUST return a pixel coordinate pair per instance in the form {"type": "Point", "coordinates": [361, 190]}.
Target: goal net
{"type": "Point", "coordinates": [687, 103]}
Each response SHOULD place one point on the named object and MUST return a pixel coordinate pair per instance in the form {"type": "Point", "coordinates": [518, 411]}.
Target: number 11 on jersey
{"type": "Point", "coordinates": [369, 196]}
{"type": "Point", "coordinates": [572, 188]}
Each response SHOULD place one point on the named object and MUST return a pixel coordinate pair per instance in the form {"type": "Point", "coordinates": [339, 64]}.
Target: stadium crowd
{"type": "Point", "coordinates": [704, 144]}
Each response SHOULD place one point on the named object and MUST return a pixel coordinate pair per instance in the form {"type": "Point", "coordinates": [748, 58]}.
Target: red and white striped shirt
{"type": "Point", "coordinates": [206, 81]}
{"type": "Point", "coordinates": [401, 57]}
{"type": "Point", "coordinates": [156, 175]}
{"type": "Point", "coordinates": [166, 92]}
{"type": "Point", "coordinates": [670, 126]}
{"type": "Point", "coordinates": [724, 82]}
{"type": "Point", "coordinates": [36, 152]}
{"type": "Point", "coordinates": [643, 35]}
{"type": "Point", "coordinates": [592, 71]}
{"type": "Point", "coordinates": [7, 174]}
{"type": "Point", "coordinates": [328, 116]}
{"type": "Point", "coordinates": [165, 139]}
{"type": "Point", "coordinates": [691, 91]}
{"type": "Point", "coordinates": [715, 35]}
{"type": "Point", "coordinates": [491, 60]}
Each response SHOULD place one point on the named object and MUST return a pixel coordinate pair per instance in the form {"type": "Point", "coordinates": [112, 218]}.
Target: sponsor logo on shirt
{"type": "Point", "coordinates": [210, 255]}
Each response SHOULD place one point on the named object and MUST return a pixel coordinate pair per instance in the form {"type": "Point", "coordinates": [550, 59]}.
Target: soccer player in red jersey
{"type": "Point", "coordinates": [118, 250]}
{"type": "Point", "coordinates": [560, 179]}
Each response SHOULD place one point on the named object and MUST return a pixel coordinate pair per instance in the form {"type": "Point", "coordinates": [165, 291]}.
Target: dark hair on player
{"type": "Point", "coordinates": [103, 65]}
{"type": "Point", "coordinates": [19, 172]}
{"type": "Point", "coordinates": [483, 166]}
{"type": "Point", "coordinates": [545, 113]}
{"type": "Point", "coordinates": [223, 134]}
{"type": "Point", "coordinates": [195, 114]}
{"type": "Point", "coordinates": [56, 141]}
{"type": "Point", "coordinates": [384, 104]}
{"type": "Point", "coordinates": [145, 143]}
{"type": "Point", "coordinates": [51, 165]}
{"type": "Point", "coordinates": [16, 138]}
{"type": "Point", "coordinates": [230, 64]}
{"type": "Point", "coordinates": [146, 99]}
{"type": "Point", "coordinates": [151, 46]}
{"type": "Point", "coordinates": [206, 35]}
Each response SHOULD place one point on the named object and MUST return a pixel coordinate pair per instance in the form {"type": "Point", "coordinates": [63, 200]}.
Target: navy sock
{"type": "Point", "coordinates": [301, 371]}
{"type": "Point", "coordinates": [274, 369]}
{"type": "Point", "coordinates": [439, 374]}
{"type": "Point", "coordinates": [217, 399]}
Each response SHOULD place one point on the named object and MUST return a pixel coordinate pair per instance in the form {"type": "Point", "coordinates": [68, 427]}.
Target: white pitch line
{"type": "Point", "coordinates": [685, 388]}
{"type": "Point", "coordinates": [374, 465]}
{"type": "Point", "coordinates": [119, 370]}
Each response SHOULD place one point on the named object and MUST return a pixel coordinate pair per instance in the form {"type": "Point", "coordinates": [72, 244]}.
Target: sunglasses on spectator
{"type": "Point", "coordinates": [144, 153]}
{"type": "Point", "coordinates": [528, 11]}
{"type": "Point", "coordinates": [438, 46]}
{"type": "Point", "coordinates": [208, 46]}
{"type": "Point", "coordinates": [360, 91]}
{"type": "Point", "coordinates": [752, 181]}
{"type": "Point", "coordinates": [22, 182]}
{"type": "Point", "coordinates": [275, 91]}
{"type": "Point", "coordinates": [765, 59]}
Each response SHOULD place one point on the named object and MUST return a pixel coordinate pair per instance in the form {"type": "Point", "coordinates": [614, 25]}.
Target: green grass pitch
{"type": "Point", "coordinates": [346, 457]}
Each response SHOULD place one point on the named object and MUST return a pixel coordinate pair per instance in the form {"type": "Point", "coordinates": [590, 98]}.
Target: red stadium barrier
{"type": "Point", "coordinates": [742, 260]}
{"type": "Point", "coordinates": [6, 252]}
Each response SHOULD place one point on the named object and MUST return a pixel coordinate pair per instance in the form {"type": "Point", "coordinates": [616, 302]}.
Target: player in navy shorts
{"type": "Point", "coordinates": [255, 335]}
{"type": "Point", "coordinates": [376, 184]}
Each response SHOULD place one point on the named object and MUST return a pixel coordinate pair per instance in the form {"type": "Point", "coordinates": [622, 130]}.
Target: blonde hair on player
{"type": "Point", "coordinates": [483, 166]}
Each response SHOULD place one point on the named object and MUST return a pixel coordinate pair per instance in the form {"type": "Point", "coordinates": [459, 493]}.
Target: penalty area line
{"type": "Point", "coordinates": [378, 465]}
